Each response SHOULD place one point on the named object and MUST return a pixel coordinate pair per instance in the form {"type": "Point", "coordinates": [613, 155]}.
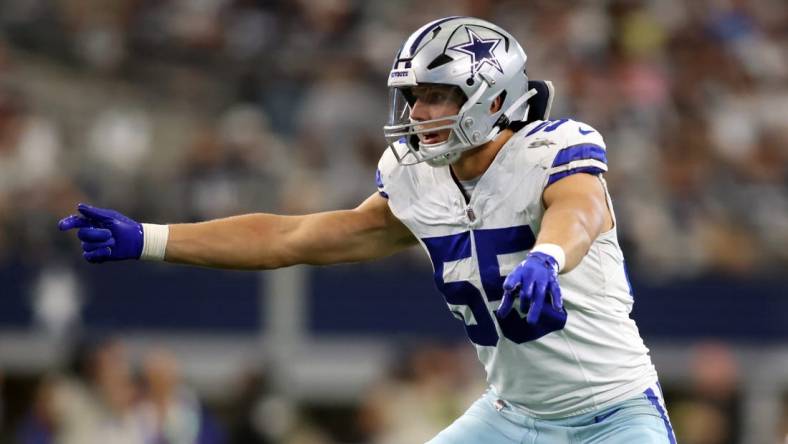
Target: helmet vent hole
{"type": "Point", "coordinates": [440, 61]}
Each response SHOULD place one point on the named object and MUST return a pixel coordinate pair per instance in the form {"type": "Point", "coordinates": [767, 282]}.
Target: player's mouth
{"type": "Point", "coordinates": [433, 137]}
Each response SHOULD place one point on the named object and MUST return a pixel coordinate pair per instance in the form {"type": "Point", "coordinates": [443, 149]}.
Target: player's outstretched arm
{"type": "Point", "coordinates": [252, 241]}
{"type": "Point", "coordinates": [264, 241]}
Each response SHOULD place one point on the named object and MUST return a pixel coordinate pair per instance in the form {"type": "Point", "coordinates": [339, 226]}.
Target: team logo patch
{"type": "Point", "coordinates": [481, 51]}
{"type": "Point", "coordinates": [540, 143]}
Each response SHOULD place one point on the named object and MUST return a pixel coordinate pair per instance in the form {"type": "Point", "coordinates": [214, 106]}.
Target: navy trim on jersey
{"type": "Point", "coordinates": [581, 151]}
{"type": "Point", "coordinates": [538, 127]}
{"type": "Point", "coordinates": [586, 169]}
{"type": "Point", "coordinates": [629, 283]}
{"type": "Point", "coordinates": [379, 183]}
{"type": "Point", "coordinates": [555, 125]}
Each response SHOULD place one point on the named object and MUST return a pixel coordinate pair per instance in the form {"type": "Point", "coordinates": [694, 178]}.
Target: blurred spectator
{"type": "Point", "coordinates": [2, 400]}
{"type": "Point", "coordinates": [433, 387]}
{"type": "Point", "coordinates": [102, 403]}
{"type": "Point", "coordinates": [245, 426]}
{"type": "Point", "coordinates": [170, 412]}
{"type": "Point", "coordinates": [782, 432]}
{"type": "Point", "coordinates": [40, 426]}
{"type": "Point", "coordinates": [99, 406]}
{"type": "Point", "coordinates": [29, 144]}
{"type": "Point", "coordinates": [262, 416]}
{"type": "Point", "coordinates": [709, 412]}
{"type": "Point", "coordinates": [235, 167]}
{"type": "Point", "coordinates": [357, 110]}
{"type": "Point", "coordinates": [31, 179]}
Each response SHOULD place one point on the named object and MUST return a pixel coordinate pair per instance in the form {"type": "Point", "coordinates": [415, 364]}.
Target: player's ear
{"type": "Point", "coordinates": [496, 104]}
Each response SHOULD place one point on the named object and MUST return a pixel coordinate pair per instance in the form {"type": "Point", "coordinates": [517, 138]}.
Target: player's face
{"type": "Point", "coordinates": [433, 102]}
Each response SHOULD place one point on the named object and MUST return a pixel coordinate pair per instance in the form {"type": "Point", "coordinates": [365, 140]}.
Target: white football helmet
{"type": "Point", "coordinates": [482, 62]}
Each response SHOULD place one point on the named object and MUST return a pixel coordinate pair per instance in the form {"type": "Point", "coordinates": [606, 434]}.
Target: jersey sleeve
{"type": "Point", "coordinates": [579, 149]}
{"type": "Point", "coordinates": [386, 166]}
{"type": "Point", "coordinates": [380, 184]}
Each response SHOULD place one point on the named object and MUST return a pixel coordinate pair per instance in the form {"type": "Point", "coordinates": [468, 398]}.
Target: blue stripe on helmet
{"type": "Point", "coordinates": [429, 28]}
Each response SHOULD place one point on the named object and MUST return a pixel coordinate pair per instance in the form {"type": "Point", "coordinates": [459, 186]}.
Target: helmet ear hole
{"type": "Point", "coordinates": [440, 61]}
{"type": "Point", "coordinates": [497, 103]}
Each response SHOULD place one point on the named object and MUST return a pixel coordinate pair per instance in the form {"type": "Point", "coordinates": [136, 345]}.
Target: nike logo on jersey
{"type": "Point", "coordinates": [585, 132]}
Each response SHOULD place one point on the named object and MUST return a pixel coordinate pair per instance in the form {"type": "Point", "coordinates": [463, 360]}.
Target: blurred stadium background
{"type": "Point", "coordinates": [183, 110]}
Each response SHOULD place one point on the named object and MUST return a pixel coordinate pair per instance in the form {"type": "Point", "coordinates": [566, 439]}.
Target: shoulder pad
{"type": "Point", "coordinates": [563, 147]}
{"type": "Point", "coordinates": [565, 132]}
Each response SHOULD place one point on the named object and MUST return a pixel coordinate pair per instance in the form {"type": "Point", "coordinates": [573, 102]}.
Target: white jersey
{"type": "Point", "coordinates": [571, 362]}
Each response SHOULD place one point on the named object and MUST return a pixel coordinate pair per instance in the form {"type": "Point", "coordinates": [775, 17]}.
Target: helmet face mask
{"type": "Point", "coordinates": [427, 115]}
{"type": "Point", "coordinates": [444, 81]}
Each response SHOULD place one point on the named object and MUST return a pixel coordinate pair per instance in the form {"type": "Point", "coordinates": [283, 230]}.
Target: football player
{"type": "Point", "coordinates": [513, 211]}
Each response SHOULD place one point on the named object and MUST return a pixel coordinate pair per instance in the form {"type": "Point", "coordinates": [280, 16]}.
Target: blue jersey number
{"type": "Point", "coordinates": [452, 260]}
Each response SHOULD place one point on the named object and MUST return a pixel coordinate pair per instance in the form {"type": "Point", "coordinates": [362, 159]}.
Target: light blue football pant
{"type": "Point", "coordinates": [641, 420]}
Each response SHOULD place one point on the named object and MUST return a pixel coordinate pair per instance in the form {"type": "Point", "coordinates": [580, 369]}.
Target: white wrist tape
{"type": "Point", "coordinates": [154, 241]}
{"type": "Point", "coordinates": [553, 250]}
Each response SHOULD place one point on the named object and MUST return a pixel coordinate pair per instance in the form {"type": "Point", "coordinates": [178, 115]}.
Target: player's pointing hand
{"type": "Point", "coordinates": [532, 280]}
{"type": "Point", "coordinates": [106, 235]}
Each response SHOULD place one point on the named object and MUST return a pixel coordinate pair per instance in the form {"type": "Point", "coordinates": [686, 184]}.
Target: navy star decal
{"type": "Point", "coordinates": [481, 51]}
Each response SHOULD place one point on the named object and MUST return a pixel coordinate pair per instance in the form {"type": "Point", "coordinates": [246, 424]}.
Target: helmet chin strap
{"type": "Point", "coordinates": [443, 160]}
{"type": "Point", "coordinates": [512, 108]}
{"type": "Point", "coordinates": [517, 103]}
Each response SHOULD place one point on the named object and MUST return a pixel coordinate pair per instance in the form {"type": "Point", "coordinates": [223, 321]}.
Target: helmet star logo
{"type": "Point", "coordinates": [481, 51]}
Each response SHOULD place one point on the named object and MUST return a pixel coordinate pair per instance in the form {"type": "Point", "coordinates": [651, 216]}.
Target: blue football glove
{"type": "Point", "coordinates": [106, 235]}
{"type": "Point", "coordinates": [532, 280]}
